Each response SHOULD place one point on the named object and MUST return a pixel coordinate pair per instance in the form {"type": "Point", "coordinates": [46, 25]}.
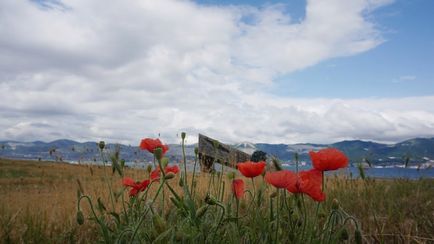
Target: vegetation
{"type": "Point", "coordinates": [39, 205]}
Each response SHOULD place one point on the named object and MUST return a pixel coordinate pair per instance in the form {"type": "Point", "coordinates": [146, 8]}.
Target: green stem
{"type": "Point", "coordinates": [304, 217]}
{"type": "Point", "coordinates": [146, 212]}
{"type": "Point", "coordinates": [254, 188]}
{"type": "Point", "coordinates": [277, 215]}
{"type": "Point", "coordinates": [101, 224]}
{"type": "Point", "coordinates": [185, 163]}
{"type": "Point", "coordinates": [194, 173]}
{"type": "Point", "coordinates": [109, 184]}
{"type": "Point", "coordinates": [123, 205]}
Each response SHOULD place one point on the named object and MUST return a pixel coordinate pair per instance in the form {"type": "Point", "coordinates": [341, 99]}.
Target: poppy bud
{"type": "Point", "coordinates": [358, 236]}
{"type": "Point", "coordinates": [149, 169]}
{"type": "Point", "coordinates": [273, 195]}
{"type": "Point", "coordinates": [101, 145]}
{"type": "Point", "coordinates": [158, 152]}
{"type": "Point", "coordinates": [210, 200]}
{"type": "Point", "coordinates": [169, 176]}
{"type": "Point", "coordinates": [80, 217]}
{"type": "Point", "coordinates": [201, 211]}
{"type": "Point", "coordinates": [231, 175]}
{"type": "Point", "coordinates": [183, 135]}
{"type": "Point", "coordinates": [335, 204]}
{"type": "Point", "coordinates": [196, 150]}
{"type": "Point", "coordinates": [122, 163]}
{"type": "Point", "coordinates": [164, 162]}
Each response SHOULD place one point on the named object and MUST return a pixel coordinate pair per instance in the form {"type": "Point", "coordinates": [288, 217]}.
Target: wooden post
{"type": "Point", "coordinates": [223, 154]}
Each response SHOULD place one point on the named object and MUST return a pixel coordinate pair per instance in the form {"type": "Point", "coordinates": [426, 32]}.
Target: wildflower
{"type": "Point", "coordinates": [155, 175]}
{"type": "Point", "coordinates": [307, 182]}
{"type": "Point", "coordinates": [151, 144]}
{"type": "Point", "coordinates": [251, 169]}
{"type": "Point", "coordinates": [238, 188]}
{"type": "Point", "coordinates": [328, 159]}
{"type": "Point", "coordinates": [281, 179]}
{"type": "Point", "coordinates": [136, 187]}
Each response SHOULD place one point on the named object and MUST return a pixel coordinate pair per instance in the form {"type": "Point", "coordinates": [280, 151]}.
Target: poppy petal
{"type": "Point", "coordinates": [128, 182]}
{"type": "Point", "coordinates": [238, 188]}
{"type": "Point", "coordinates": [251, 169]}
{"type": "Point", "coordinates": [328, 159]}
{"type": "Point", "coordinates": [311, 184]}
{"type": "Point", "coordinates": [281, 179]}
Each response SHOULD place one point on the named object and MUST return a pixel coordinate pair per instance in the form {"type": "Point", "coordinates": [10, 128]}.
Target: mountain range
{"type": "Point", "coordinates": [414, 151]}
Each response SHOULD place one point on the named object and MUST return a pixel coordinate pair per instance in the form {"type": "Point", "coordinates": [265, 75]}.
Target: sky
{"type": "Point", "coordinates": [317, 71]}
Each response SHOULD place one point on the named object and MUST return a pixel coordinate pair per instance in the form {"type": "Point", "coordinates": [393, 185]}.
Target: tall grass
{"type": "Point", "coordinates": [39, 206]}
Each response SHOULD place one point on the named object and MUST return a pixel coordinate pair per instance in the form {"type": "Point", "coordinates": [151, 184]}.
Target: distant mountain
{"type": "Point", "coordinates": [417, 150]}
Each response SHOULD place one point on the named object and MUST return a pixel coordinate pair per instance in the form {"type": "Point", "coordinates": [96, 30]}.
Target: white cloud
{"type": "Point", "coordinates": [407, 78]}
{"type": "Point", "coordinates": [138, 68]}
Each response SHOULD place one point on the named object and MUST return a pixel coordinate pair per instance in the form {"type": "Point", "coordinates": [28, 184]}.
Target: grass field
{"type": "Point", "coordinates": [38, 203]}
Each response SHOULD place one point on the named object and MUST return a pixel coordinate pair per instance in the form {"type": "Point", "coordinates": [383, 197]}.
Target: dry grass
{"type": "Point", "coordinates": [38, 203]}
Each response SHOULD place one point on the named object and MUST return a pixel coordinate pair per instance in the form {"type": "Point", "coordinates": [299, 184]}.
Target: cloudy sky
{"type": "Point", "coordinates": [262, 71]}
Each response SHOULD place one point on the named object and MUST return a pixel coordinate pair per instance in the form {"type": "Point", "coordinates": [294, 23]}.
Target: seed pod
{"type": "Point", "coordinates": [169, 176]}
{"type": "Point", "coordinates": [158, 152]}
{"type": "Point", "coordinates": [80, 217]}
{"type": "Point", "coordinates": [196, 150]}
{"type": "Point", "coordinates": [183, 135]}
{"type": "Point", "coordinates": [210, 200]}
{"type": "Point", "coordinates": [335, 204]}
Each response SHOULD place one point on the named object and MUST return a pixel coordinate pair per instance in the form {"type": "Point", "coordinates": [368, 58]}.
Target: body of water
{"type": "Point", "coordinates": [392, 172]}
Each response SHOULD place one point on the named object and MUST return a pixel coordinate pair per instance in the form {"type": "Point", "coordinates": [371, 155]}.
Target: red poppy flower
{"type": "Point", "coordinates": [238, 188]}
{"type": "Point", "coordinates": [155, 174]}
{"type": "Point", "coordinates": [310, 183]}
{"type": "Point", "coordinates": [136, 187]}
{"type": "Point", "coordinates": [151, 144]}
{"type": "Point", "coordinates": [251, 169]}
{"type": "Point", "coordinates": [328, 159]}
{"type": "Point", "coordinates": [281, 179]}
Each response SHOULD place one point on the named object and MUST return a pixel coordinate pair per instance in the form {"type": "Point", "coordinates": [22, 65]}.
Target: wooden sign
{"type": "Point", "coordinates": [211, 151]}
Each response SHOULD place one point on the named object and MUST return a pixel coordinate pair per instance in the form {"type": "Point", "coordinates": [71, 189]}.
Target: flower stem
{"type": "Point", "coordinates": [185, 163]}
{"type": "Point", "coordinates": [109, 184]}
{"type": "Point", "coordinates": [192, 178]}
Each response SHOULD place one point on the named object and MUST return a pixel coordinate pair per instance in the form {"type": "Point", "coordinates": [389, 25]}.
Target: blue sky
{"type": "Point", "coordinates": [315, 71]}
{"type": "Point", "coordinates": [402, 66]}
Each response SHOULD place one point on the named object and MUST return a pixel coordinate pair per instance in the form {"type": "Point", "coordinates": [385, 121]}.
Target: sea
{"type": "Point", "coordinates": [389, 172]}
{"type": "Point", "coordinates": [392, 172]}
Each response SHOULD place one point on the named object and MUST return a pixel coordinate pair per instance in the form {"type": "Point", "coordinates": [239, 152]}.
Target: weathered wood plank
{"type": "Point", "coordinates": [223, 154]}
